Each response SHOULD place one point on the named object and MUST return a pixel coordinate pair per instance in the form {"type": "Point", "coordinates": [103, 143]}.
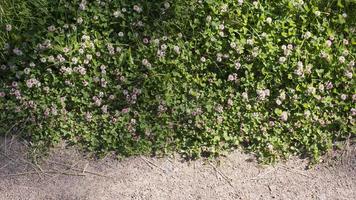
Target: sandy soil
{"type": "Point", "coordinates": [66, 174]}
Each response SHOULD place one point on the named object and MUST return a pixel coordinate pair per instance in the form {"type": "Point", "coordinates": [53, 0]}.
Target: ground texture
{"type": "Point", "coordinates": [66, 174]}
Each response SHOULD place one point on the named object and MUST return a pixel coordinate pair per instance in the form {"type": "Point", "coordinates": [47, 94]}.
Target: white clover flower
{"type": "Point", "coordinates": [231, 78]}
{"type": "Point", "coordinates": [208, 18]}
{"type": "Point", "coordinates": [255, 4]}
{"type": "Point", "coordinates": [353, 111]}
{"type": "Point", "coordinates": [17, 51]}
{"type": "Point", "coordinates": [81, 51]}
{"type": "Point", "coordinates": [308, 68]}
{"type": "Point", "coordinates": [345, 42]}
{"type": "Point", "coordinates": [145, 62]}
{"type": "Point", "coordinates": [137, 8]}
{"type": "Point", "coordinates": [240, 2]}
{"type": "Point", "coordinates": [321, 87]}
{"type": "Point", "coordinates": [167, 5]}
{"type": "Point", "coordinates": [284, 116]}
{"type": "Point", "coordinates": [348, 74]}
{"type": "Point", "coordinates": [344, 15]}
{"type": "Point", "coordinates": [300, 64]}
{"type": "Point", "coordinates": [230, 102]}
{"type": "Point", "coordinates": [345, 52]}
{"type": "Point", "coordinates": [74, 60]}
{"type": "Point", "coordinates": [88, 116]}
{"type": "Point", "coordinates": [51, 28]}
{"type": "Point", "coordinates": [224, 8]}
{"type": "Point", "coordinates": [51, 59]}
{"type": "Point", "coordinates": [249, 41]}
{"type": "Point", "coordinates": [203, 59]}
{"type": "Point", "coordinates": [329, 85]}
{"type": "Point", "coordinates": [221, 26]}
{"type": "Point", "coordinates": [328, 43]}
{"type": "Point", "coordinates": [8, 27]}
{"type": "Point", "coordinates": [60, 58]}
{"type": "Point", "coordinates": [282, 96]}
{"type": "Point", "coordinates": [282, 59]}
{"type": "Point", "coordinates": [237, 65]}
{"type": "Point", "coordinates": [343, 97]}
{"type": "Point", "coordinates": [290, 46]}
{"type": "Point", "coordinates": [117, 14]}
{"type": "Point", "coordinates": [14, 84]}
{"type": "Point", "coordinates": [85, 37]}
{"type": "Point", "coordinates": [219, 59]}
{"type": "Point", "coordinates": [104, 109]}
{"type": "Point", "coordinates": [342, 59]}
{"type": "Point", "coordinates": [233, 45]}
{"type": "Point", "coordinates": [307, 113]}
{"type": "Point", "coordinates": [317, 13]}
{"type": "Point", "coordinates": [82, 5]}
{"type": "Point", "coordinates": [323, 54]}
{"type": "Point", "coordinates": [6, 46]}
{"type": "Point", "coordinates": [267, 92]}
{"type": "Point", "coordinates": [74, 27]}
{"type": "Point", "coordinates": [264, 34]}
{"type": "Point", "coordinates": [66, 49]}
{"type": "Point", "coordinates": [311, 90]}
{"type": "Point", "coordinates": [351, 64]}
{"type": "Point", "coordinates": [269, 20]}
{"type": "Point", "coordinates": [262, 94]}
{"type": "Point", "coordinates": [284, 47]}
{"type": "Point", "coordinates": [163, 46]}
{"type": "Point", "coordinates": [140, 23]}
{"type": "Point", "coordinates": [161, 53]}
{"type": "Point", "coordinates": [244, 95]}
{"type": "Point", "coordinates": [145, 40]}
{"type": "Point", "coordinates": [120, 34]}
{"type": "Point", "coordinates": [354, 97]}
{"type": "Point", "coordinates": [307, 35]}
{"type": "Point", "coordinates": [27, 70]}
{"type": "Point", "coordinates": [80, 20]}
{"type": "Point", "coordinates": [176, 49]}
{"type": "Point", "coordinates": [89, 57]}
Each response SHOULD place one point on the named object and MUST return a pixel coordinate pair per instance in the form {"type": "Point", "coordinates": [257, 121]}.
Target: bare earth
{"type": "Point", "coordinates": [66, 174]}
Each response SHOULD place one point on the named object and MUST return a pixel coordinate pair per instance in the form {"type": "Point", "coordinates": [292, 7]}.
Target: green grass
{"type": "Point", "coordinates": [137, 77]}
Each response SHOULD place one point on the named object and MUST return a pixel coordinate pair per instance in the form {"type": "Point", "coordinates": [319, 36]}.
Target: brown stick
{"type": "Point", "coordinates": [49, 172]}
{"type": "Point", "coordinates": [79, 170]}
{"type": "Point", "coordinates": [226, 178]}
{"type": "Point", "coordinates": [148, 162]}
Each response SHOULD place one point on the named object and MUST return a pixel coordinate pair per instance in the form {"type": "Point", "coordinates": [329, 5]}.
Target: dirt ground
{"type": "Point", "coordinates": [66, 174]}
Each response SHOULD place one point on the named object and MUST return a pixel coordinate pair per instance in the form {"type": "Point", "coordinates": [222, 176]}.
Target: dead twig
{"type": "Point", "coordinates": [150, 163]}
{"type": "Point", "coordinates": [48, 172]}
{"type": "Point", "coordinates": [261, 175]}
{"type": "Point", "coordinates": [226, 178]}
{"type": "Point", "coordinates": [85, 167]}
{"type": "Point", "coordinates": [296, 171]}
{"type": "Point", "coordinates": [79, 170]}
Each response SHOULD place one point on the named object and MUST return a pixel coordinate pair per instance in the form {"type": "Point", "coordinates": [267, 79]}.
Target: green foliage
{"type": "Point", "coordinates": [197, 77]}
{"type": "Point", "coordinates": [22, 18]}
